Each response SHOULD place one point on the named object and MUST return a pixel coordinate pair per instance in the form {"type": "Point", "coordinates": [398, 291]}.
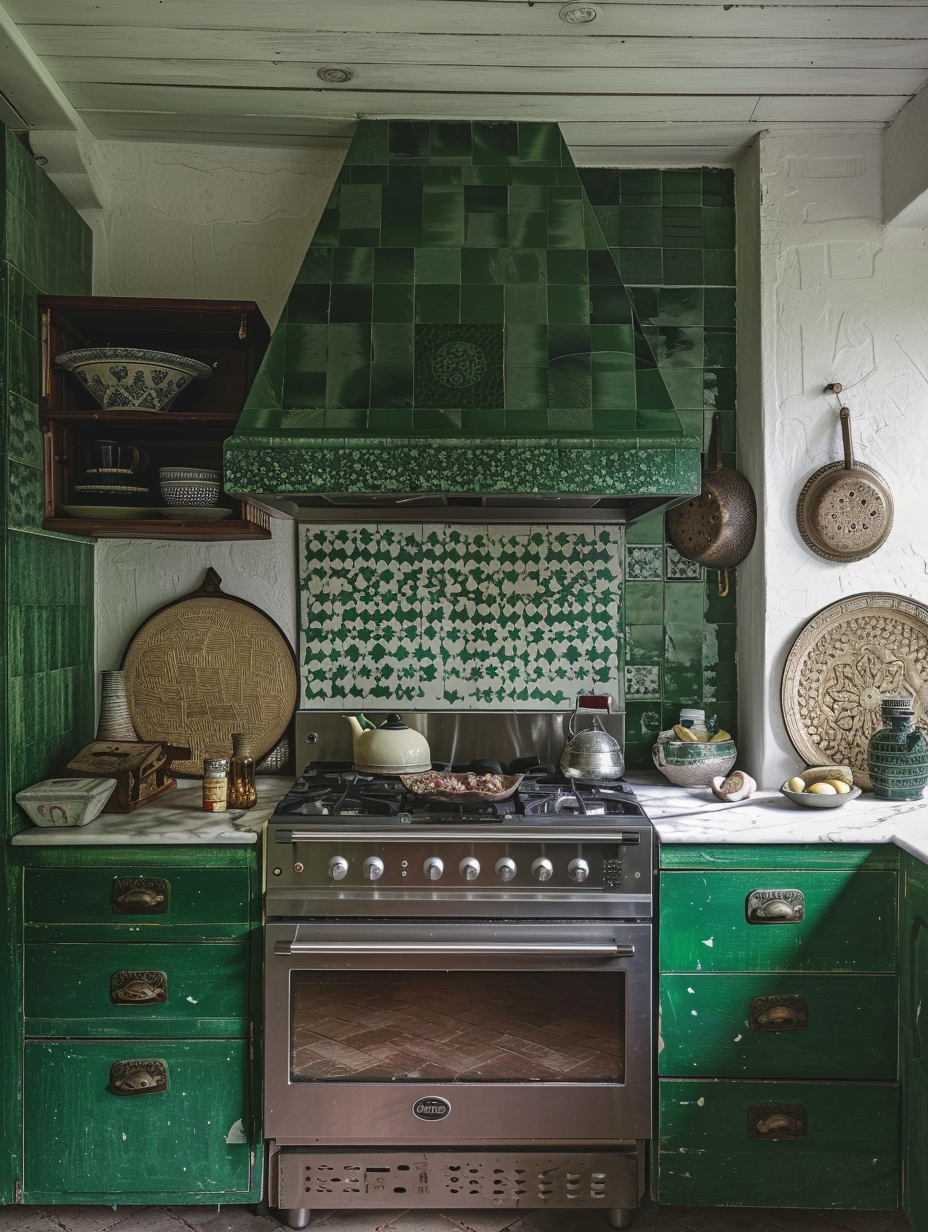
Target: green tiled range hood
{"type": "Point", "coordinates": [459, 335]}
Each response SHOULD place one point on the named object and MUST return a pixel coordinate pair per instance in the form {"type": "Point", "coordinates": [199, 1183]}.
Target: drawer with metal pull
{"type": "Point", "coordinates": [776, 1025]}
{"type": "Point", "coordinates": [778, 920]}
{"type": "Point", "coordinates": [144, 1119]}
{"type": "Point", "coordinates": [824, 1144]}
{"type": "Point", "coordinates": [131, 895]}
{"type": "Point", "coordinates": [136, 990]}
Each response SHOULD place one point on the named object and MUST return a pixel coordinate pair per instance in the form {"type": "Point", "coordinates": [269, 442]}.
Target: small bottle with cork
{"type": "Point", "coordinates": [242, 791]}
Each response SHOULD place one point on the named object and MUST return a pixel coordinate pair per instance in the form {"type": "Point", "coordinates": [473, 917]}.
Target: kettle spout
{"type": "Point", "coordinates": [356, 728]}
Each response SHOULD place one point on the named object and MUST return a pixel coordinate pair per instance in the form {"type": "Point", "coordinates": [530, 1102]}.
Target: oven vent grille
{"type": "Point", "coordinates": [474, 1178]}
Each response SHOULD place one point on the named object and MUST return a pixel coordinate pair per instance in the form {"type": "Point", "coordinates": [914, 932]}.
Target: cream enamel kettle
{"type": "Point", "coordinates": [392, 748]}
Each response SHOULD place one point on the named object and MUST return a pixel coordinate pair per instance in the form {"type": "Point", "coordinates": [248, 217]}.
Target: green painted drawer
{"type": "Point", "coordinates": [849, 922]}
{"type": "Point", "coordinates": [848, 1158]}
{"type": "Point", "coordinates": [136, 990]}
{"type": "Point", "coordinates": [134, 895]}
{"type": "Point", "coordinates": [84, 1143]}
{"type": "Point", "coordinates": [845, 1026]}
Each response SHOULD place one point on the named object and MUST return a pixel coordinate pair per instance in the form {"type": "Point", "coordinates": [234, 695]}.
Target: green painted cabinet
{"type": "Point", "coordinates": [141, 978]}
{"type": "Point", "coordinates": [778, 1027]}
{"type": "Point", "coordinates": [913, 933]}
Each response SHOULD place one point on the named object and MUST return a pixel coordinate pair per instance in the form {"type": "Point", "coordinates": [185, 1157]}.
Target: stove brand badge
{"type": "Point", "coordinates": [431, 1108]}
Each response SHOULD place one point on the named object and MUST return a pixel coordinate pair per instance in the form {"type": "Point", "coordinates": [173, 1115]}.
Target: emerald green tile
{"type": "Point", "coordinates": [408, 175]}
{"type": "Point", "coordinates": [25, 497]}
{"type": "Point", "coordinates": [526, 388]}
{"type": "Point", "coordinates": [681, 187]}
{"type": "Point", "coordinates": [393, 302]}
{"type": "Point", "coordinates": [350, 302]}
{"type": "Point", "coordinates": [540, 143]}
{"type": "Point", "coordinates": [621, 420]}
{"type": "Point", "coordinates": [404, 233]}
{"type": "Point", "coordinates": [570, 381]}
{"type": "Point", "coordinates": [351, 265]}
{"type": "Point", "coordinates": [614, 387]}
{"type": "Point", "coordinates": [480, 420]}
{"type": "Point", "coordinates": [652, 391]}
{"type": "Point", "coordinates": [613, 338]}
{"type": "Point", "coordinates": [683, 265]}
{"type": "Point", "coordinates": [451, 139]}
{"type": "Point", "coordinates": [307, 348]}
{"type": "Point", "coordinates": [565, 221]}
{"type": "Point", "coordinates": [409, 139]}
{"type": "Point", "coordinates": [430, 420]}
{"type": "Point", "coordinates": [686, 389]}
{"type": "Point", "coordinates": [602, 269]}
{"type": "Point", "coordinates": [601, 184]}
{"type": "Point", "coordinates": [683, 603]}
{"type": "Point", "coordinates": [718, 227]}
{"type": "Point", "coordinates": [644, 643]}
{"type": "Point", "coordinates": [676, 346]}
{"type": "Point", "coordinates": [392, 366]}
{"type": "Point", "coordinates": [390, 420]}
{"type": "Point", "coordinates": [484, 265]}
{"type": "Point", "coordinates": [458, 365]}
{"type": "Point", "coordinates": [24, 439]}
{"type": "Point", "coordinates": [525, 265]}
{"type": "Point", "coordinates": [345, 419]}
{"type": "Point", "coordinates": [495, 143]}
{"type": "Point", "coordinates": [437, 303]}
{"type": "Point", "coordinates": [719, 387]}
{"type": "Point", "coordinates": [679, 306]}
{"type": "Point", "coordinates": [567, 340]}
{"type": "Point", "coordinates": [526, 303]}
{"type": "Point", "coordinates": [446, 174]}
{"type": "Point", "coordinates": [720, 307]}
{"type": "Point", "coordinates": [640, 187]}
{"type": "Point", "coordinates": [568, 305]}
{"type": "Point", "coordinates": [568, 266]}
{"type": "Point", "coordinates": [370, 143]}
{"type": "Point", "coordinates": [720, 348]}
{"type": "Point", "coordinates": [640, 227]}
{"type": "Point", "coordinates": [528, 344]}
{"type": "Point", "coordinates": [528, 228]}
{"type": "Point", "coordinates": [482, 303]}
{"type": "Point", "coordinates": [394, 265]}
{"type": "Point", "coordinates": [303, 390]}
{"type": "Point", "coordinates": [308, 304]}
{"type": "Point", "coordinates": [641, 265]}
{"type": "Point", "coordinates": [528, 199]}
{"type": "Point", "coordinates": [610, 305]}
{"type": "Point", "coordinates": [359, 205]}
{"type": "Point", "coordinates": [348, 373]}
{"type": "Point", "coordinates": [527, 419]}
{"type": "Point", "coordinates": [374, 174]}
{"type": "Point", "coordinates": [681, 227]}
{"type": "Point", "coordinates": [486, 230]}
{"type": "Point", "coordinates": [443, 218]}
{"type": "Point", "coordinates": [718, 186]}
{"type": "Point", "coordinates": [438, 265]}
{"type": "Point", "coordinates": [644, 603]}
{"type": "Point", "coordinates": [570, 419]}
{"type": "Point", "coordinates": [301, 419]}
{"type": "Point", "coordinates": [326, 233]}
{"type": "Point", "coordinates": [719, 266]}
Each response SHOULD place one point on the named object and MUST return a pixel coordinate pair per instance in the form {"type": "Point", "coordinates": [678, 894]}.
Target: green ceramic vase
{"type": "Point", "coordinates": [897, 755]}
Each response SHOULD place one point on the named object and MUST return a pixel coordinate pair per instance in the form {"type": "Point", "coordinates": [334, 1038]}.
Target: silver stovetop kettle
{"type": "Point", "coordinates": [591, 755]}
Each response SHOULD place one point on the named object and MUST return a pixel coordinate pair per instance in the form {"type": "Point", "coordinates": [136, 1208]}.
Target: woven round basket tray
{"type": "Point", "coordinates": [205, 667]}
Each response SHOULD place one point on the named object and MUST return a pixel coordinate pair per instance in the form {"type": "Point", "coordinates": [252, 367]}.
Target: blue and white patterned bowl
{"type": "Point", "coordinates": [131, 378]}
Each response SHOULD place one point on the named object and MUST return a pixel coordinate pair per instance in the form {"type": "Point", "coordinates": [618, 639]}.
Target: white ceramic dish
{"type": "Point", "coordinates": [65, 802]}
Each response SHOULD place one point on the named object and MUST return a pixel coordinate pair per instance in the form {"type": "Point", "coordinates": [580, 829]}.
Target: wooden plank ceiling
{"type": "Point", "coordinates": [643, 83]}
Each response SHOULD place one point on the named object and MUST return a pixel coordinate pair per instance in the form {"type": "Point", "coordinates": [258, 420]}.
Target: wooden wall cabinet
{"type": "Point", "coordinates": [230, 336]}
{"type": "Point", "coordinates": [778, 995]}
{"type": "Point", "coordinates": [142, 974]}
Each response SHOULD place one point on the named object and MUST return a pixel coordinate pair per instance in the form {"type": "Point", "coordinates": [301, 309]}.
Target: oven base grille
{"type": "Point", "coordinates": [321, 1179]}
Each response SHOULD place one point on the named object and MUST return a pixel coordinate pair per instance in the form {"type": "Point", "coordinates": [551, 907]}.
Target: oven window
{"type": "Point", "coordinates": [461, 1026]}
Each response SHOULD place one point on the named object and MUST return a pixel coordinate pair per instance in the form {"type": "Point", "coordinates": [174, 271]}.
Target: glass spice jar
{"type": "Point", "coordinates": [215, 784]}
{"type": "Point", "coordinates": [242, 792]}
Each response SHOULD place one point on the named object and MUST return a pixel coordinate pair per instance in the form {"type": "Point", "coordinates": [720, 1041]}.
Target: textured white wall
{"type": "Point", "coordinates": [841, 298]}
{"type": "Point", "coordinates": [210, 222]}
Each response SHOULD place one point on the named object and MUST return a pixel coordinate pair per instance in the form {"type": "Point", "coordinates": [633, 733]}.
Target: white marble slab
{"type": "Point", "coordinates": [174, 818]}
{"type": "Point", "coordinates": [693, 815]}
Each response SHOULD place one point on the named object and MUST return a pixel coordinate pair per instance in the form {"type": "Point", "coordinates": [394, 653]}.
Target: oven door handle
{"type": "Point", "coordinates": [285, 948]}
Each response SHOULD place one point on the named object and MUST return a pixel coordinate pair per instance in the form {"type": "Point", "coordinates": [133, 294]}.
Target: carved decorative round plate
{"type": "Point", "coordinates": [205, 667]}
{"type": "Point", "coordinates": [844, 662]}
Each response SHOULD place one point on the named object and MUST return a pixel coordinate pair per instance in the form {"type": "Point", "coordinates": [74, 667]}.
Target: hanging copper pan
{"type": "Point", "coordinates": [845, 510]}
{"type": "Point", "coordinates": [717, 527]}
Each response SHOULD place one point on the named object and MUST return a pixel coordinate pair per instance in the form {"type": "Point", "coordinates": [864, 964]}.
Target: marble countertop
{"type": "Point", "coordinates": [174, 818]}
{"type": "Point", "coordinates": [694, 815]}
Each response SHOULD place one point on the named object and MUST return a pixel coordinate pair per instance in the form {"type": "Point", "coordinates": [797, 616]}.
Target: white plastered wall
{"type": "Point", "coordinates": [840, 298]}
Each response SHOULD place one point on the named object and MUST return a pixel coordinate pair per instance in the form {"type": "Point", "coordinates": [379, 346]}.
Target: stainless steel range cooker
{"type": "Point", "coordinates": [458, 1001]}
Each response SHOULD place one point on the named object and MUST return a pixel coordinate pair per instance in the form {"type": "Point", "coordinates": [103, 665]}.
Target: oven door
{"type": "Point", "coordinates": [457, 1032]}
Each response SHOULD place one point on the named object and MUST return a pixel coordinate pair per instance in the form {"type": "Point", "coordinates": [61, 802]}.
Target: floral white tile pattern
{"type": "Point", "coordinates": [474, 617]}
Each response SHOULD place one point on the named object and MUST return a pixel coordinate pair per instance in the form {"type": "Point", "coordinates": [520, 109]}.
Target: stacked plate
{"type": "Point", "coordinates": [191, 492]}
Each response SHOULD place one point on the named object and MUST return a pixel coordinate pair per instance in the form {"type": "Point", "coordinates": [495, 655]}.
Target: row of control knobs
{"type": "Point", "coordinates": [468, 869]}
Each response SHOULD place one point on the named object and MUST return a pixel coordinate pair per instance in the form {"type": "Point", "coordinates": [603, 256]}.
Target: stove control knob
{"type": "Point", "coordinates": [338, 868]}
{"type": "Point", "coordinates": [578, 870]}
{"type": "Point", "coordinates": [505, 869]}
{"type": "Point", "coordinates": [469, 868]}
{"type": "Point", "coordinates": [542, 869]}
{"type": "Point", "coordinates": [373, 868]}
{"type": "Point", "coordinates": [433, 868]}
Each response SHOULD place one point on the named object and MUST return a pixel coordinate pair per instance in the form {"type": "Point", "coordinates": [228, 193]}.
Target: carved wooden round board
{"type": "Point", "coordinates": [205, 667]}
{"type": "Point", "coordinates": [846, 659]}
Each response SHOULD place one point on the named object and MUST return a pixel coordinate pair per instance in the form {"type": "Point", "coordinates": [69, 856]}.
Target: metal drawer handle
{"type": "Point", "coordinates": [138, 987]}
{"type": "Point", "coordinates": [448, 947]}
{"type": "Point", "coordinates": [775, 907]}
{"type": "Point", "coordinates": [777, 1122]}
{"type": "Point", "coordinates": [778, 1013]}
{"type": "Point", "coordinates": [138, 1077]}
{"type": "Point", "coordinates": [140, 895]}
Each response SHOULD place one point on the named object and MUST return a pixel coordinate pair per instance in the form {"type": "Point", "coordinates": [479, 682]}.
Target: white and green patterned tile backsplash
{"type": "Point", "coordinates": [472, 617]}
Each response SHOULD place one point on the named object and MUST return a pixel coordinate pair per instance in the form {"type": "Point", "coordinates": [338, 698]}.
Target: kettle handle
{"type": "Point", "coordinates": [597, 723]}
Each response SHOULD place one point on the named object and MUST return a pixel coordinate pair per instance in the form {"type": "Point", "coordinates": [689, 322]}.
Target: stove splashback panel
{"type": "Point", "coordinates": [456, 736]}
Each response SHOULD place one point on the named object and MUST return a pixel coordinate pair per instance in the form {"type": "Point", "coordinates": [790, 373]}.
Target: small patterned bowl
{"type": "Point", "coordinates": [693, 764]}
{"type": "Point", "coordinates": [188, 474]}
{"type": "Point", "coordinates": [181, 493]}
{"type": "Point", "coordinates": [132, 378]}
{"type": "Point", "coordinates": [810, 800]}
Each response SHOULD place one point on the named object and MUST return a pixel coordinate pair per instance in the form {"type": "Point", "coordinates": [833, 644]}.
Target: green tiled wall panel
{"type": "Point", "coordinates": [672, 235]}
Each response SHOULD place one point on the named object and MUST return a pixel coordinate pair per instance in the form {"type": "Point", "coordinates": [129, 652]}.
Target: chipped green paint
{"type": "Point", "coordinates": [490, 617]}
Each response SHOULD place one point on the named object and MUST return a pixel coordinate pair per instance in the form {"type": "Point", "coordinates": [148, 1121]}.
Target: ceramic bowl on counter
{"type": "Point", "coordinates": [688, 763]}
{"type": "Point", "coordinates": [186, 493]}
{"type": "Point", "coordinates": [188, 474]}
{"type": "Point", "coordinates": [65, 802]}
{"type": "Point", "coordinates": [132, 378]}
{"type": "Point", "coordinates": [840, 778]}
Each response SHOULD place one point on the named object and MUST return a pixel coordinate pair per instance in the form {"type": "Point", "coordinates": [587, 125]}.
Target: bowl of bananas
{"type": "Point", "coordinates": [687, 761]}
